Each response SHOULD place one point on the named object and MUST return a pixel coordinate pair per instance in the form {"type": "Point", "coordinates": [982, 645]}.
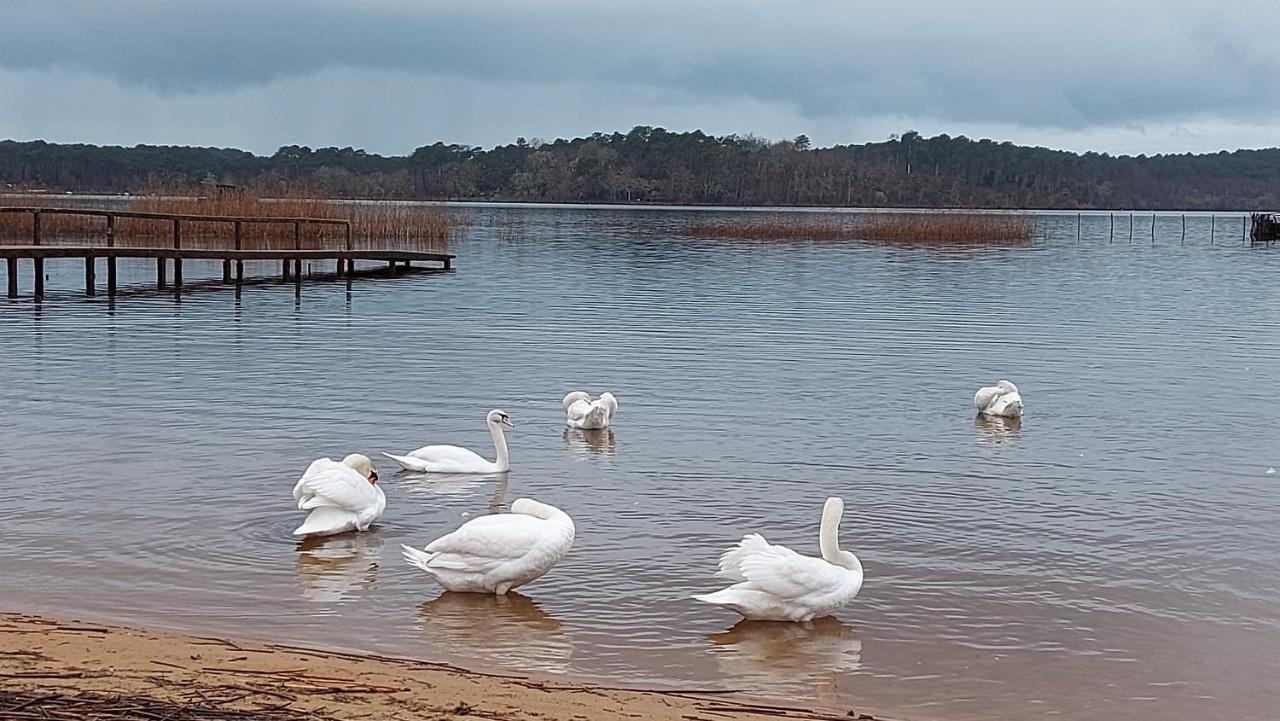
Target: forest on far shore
{"type": "Point", "coordinates": [654, 165]}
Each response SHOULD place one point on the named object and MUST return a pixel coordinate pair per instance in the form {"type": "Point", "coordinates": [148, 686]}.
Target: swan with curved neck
{"type": "Point", "coordinates": [455, 459]}
{"type": "Point", "coordinates": [341, 497]}
{"type": "Point", "coordinates": [498, 552]}
{"type": "Point", "coordinates": [582, 412]}
{"type": "Point", "coordinates": [1001, 400]}
{"type": "Point", "coordinates": [774, 583]}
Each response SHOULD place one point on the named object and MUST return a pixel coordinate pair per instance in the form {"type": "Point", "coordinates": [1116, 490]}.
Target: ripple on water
{"type": "Point", "coordinates": [1116, 545]}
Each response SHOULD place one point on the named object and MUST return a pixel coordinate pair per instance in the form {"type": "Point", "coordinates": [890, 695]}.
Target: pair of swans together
{"type": "Point", "coordinates": [492, 553]}
{"type": "Point", "coordinates": [580, 412]}
{"type": "Point", "coordinates": [345, 496]}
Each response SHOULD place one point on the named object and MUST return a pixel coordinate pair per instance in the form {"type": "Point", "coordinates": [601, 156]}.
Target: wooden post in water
{"type": "Point", "coordinates": [1131, 227]}
{"type": "Point", "coordinates": [11, 265]}
{"type": "Point", "coordinates": [1213, 227]}
{"type": "Point", "coordinates": [1078, 226]}
{"type": "Point", "coordinates": [111, 260]}
{"type": "Point", "coordinates": [239, 262]}
{"type": "Point", "coordinates": [160, 284]}
{"type": "Point", "coordinates": [284, 270]}
{"type": "Point", "coordinates": [1184, 229]}
{"type": "Point", "coordinates": [37, 263]}
{"type": "Point", "coordinates": [90, 276]}
{"type": "Point", "coordinates": [226, 271]}
{"type": "Point", "coordinates": [177, 262]}
{"type": "Point", "coordinates": [1112, 236]}
{"type": "Point", "coordinates": [1153, 228]}
{"type": "Point", "coordinates": [1242, 229]}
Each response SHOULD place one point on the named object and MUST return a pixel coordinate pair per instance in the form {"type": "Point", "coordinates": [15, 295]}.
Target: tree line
{"type": "Point", "coordinates": [654, 165]}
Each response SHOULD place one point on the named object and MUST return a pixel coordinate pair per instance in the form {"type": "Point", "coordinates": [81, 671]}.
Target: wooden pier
{"type": "Point", "coordinates": [343, 253]}
{"type": "Point", "coordinates": [1266, 227]}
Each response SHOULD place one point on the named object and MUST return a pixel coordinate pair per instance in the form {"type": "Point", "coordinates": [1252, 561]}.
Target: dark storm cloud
{"type": "Point", "coordinates": [1033, 64]}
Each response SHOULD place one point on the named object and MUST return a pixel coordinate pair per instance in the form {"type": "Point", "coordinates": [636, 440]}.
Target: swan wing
{"type": "Point", "coordinates": [485, 543]}
{"type": "Point", "coordinates": [731, 560]}
{"type": "Point", "coordinates": [327, 483]}
{"type": "Point", "coordinates": [785, 574]}
{"type": "Point", "coordinates": [578, 410]}
{"type": "Point", "coordinates": [984, 397]}
{"type": "Point", "coordinates": [451, 455]}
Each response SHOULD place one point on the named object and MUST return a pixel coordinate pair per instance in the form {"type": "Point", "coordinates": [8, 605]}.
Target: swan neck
{"type": "Point", "coordinates": [499, 445]}
{"type": "Point", "coordinates": [829, 534]}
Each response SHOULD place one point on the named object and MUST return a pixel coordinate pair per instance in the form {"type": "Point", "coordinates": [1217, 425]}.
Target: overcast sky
{"type": "Point", "coordinates": [1123, 76]}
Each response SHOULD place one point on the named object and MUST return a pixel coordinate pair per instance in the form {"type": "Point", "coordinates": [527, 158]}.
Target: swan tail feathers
{"type": "Point", "coordinates": [420, 559]}
{"type": "Point", "coordinates": [408, 463]}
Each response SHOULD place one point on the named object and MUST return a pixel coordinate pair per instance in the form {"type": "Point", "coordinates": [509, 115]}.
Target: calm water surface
{"type": "Point", "coordinates": [1115, 555]}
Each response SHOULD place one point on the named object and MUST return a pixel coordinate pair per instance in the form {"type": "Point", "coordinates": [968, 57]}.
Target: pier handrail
{"type": "Point", "coordinates": [177, 219]}
{"type": "Point", "coordinates": [170, 216]}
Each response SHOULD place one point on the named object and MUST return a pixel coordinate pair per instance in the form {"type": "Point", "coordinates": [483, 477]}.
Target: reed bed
{"type": "Point", "coordinates": [914, 229]}
{"type": "Point", "coordinates": [384, 225]}
{"type": "Point", "coordinates": [779, 227]}
{"type": "Point", "coordinates": [947, 229]}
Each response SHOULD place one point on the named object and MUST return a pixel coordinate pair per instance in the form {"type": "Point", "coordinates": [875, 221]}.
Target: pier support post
{"type": "Point", "coordinates": [90, 276]}
{"type": "Point", "coordinates": [284, 270]}
{"type": "Point", "coordinates": [226, 271]}
{"type": "Point", "coordinates": [11, 265]}
{"type": "Point", "coordinates": [111, 276]}
{"type": "Point", "coordinates": [177, 275]}
{"type": "Point", "coordinates": [38, 264]}
{"type": "Point", "coordinates": [297, 270]}
{"type": "Point", "coordinates": [448, 263]}
{"type": "Point", "coordinates": [160, 270]}
{"type": "Point", "coordinates": [239, 272]}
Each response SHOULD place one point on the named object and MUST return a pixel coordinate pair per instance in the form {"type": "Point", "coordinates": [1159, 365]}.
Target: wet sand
{"type": "Point", "coordinates": [42, 658]}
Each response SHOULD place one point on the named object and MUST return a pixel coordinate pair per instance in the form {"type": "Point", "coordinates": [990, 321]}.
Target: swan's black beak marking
{"type": "Point", "coordinates": [373, 476]}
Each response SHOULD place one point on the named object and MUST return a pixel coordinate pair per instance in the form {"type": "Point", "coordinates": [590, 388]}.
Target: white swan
{"type": "Point", "coordinates": [1001, 399]}
{"type": "Point", "coordinates": [496, 553]}
{"type": "Point", "coordinates": [582, 412]}
{"type": "Point", "coordinates": [341, 496]}
{"type": "Point", "coordinates": [774, 583]}
{"type": "Point", "coordinates": [453, 459]}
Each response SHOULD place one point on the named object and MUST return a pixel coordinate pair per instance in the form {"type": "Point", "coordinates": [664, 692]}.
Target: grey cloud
{"type": "Point", "coordinates": [1039, 64]}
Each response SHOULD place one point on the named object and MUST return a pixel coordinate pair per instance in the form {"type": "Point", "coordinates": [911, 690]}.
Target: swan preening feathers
{"type": "Point", "coordinates": [498, 552]}
{"type": "Point", "coordinates": [1001, 400]}
{"type": "Point", "coordinates": [454, 459]}
{"type": "Point", "coordinates": [774, 583]}
{"type": "Point", "coordinates": [582, 412]}
{"type": "Point", "coordinates": [341, 496]}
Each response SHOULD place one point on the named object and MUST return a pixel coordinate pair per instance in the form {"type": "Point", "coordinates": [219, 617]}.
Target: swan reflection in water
{"type": "Point", "coordinates": [455, 484]}
{"type": "Point", "coordinates": [586, 442]}
{"type": "Point", "coordinates": [772, 657]}
{"type": "Point", "coordinates": [998, 430]}
{"type": "Point", "coordinates": [332, 569]}
{"type": "Point", "coordinates": [510, 630]}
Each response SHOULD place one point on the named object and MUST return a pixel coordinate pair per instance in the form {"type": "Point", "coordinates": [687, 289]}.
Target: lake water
{"type": "Point", "coordinates": [1116, 556]}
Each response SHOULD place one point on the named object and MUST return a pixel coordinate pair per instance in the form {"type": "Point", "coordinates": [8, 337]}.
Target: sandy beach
{"type": "Point", "coordinates": [71, 669]}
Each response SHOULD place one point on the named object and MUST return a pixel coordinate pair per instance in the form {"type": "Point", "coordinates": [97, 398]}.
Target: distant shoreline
{"type": "Point", "coordinates": [54, 659]}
